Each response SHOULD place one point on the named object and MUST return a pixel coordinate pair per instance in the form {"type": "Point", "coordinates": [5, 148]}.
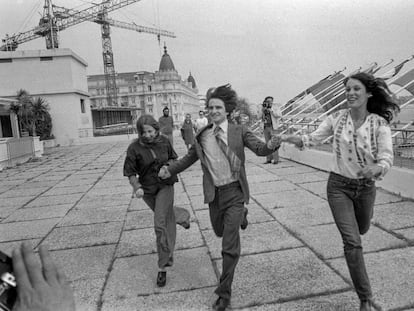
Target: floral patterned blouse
{"type": "Point", "coordinates": [355, 148]}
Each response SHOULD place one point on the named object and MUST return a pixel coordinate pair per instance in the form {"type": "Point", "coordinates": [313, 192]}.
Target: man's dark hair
{"type": "Point", "coordinates": [226, 94]}
{"type": "Point", "coordinates": [268, 97]}
{"type": "Point", "coordinates": [165, 108]}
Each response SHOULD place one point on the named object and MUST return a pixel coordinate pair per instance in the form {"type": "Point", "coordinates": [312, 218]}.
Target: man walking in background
{"type": "Point", "coordinates": [270, 114]}
{"type": "Point", "coordinates": [166, 124]}
{"type": "Point", "coordinates": [200, 122]}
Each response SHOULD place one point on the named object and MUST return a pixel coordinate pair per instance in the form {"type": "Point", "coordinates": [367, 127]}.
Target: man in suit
{"type": "Point", "coordinates": [220, 148]}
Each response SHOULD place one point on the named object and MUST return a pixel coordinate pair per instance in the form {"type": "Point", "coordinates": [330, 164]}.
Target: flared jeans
{"type": "Point", "coordinates": [352, 204]}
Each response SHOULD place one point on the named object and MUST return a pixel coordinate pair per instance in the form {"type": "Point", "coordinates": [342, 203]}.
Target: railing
{"type": "Point", "coordinates": [114, 129]}
{"type": "Point", "coordinates": [20, 147]}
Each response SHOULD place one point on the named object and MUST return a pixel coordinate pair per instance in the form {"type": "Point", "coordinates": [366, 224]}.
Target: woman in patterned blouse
{"type": "Point", "coordinates": [362, 152]}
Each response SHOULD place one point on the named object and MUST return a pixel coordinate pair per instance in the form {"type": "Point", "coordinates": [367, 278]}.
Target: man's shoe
{"type": "Point", "coordinates": [365, 305]}
{"type": "Point", "coordinates": [221, 304]}
{"type": "Point", "coordinates": [275, 162]}
{"type": "Point", "coordinates": [268, 162]}
{"type": "Point", "coordinates": [185, 224]}
{"type": "Point", "coordinates": [245, 222]}
{"type": "Point", "coordinates": [161, 278]}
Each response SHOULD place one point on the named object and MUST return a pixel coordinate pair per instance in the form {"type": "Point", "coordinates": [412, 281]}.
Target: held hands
{"type": "Point", "coordinates": [139, 193]}
{"type": "Point", "coordinates": [274, 142]}
{"type": "Point", "coordinates": [370, 171]}
{"type": "Point", "coordinates": [164, 173]}
{"type": "Point", "coordinates": [40, 287]}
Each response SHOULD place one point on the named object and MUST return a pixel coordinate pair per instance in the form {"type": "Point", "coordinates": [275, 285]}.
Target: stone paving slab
{"type": "Point", "coordinates": [104, 200]}
{"type": "Point", "coordinates": [84, 235]}
{"type": "Point", "coordinates": [17, 192]}
{"type": "Point", "coordinates": [307, 177]}
{"type": "Point", "coordinates": [337, 302]}
{"type": "Point", "coordinates": [59, 190]}
{"type": "Point", "coordinates": [35, 213]}
{"type": "Point", "coordinates": [407, 234]}
{"type": "Point", "coordinates": [257, 238]}
{"type": "Point", "coordinates": [391, 276]}
{"type": "Point", "coordinates": [281, 275]}
{"type": "Point", "coordinates": [303, 215]}
{"type": "Point", "coordinates": [291, 170]}
{"type": "Point", "coordinates": [395, 215]}
{"type": "Point", "coordinates": [16, 202]}
{"type": "Point", "coordinates": [143, 241]}
{"type": "Point", "coordinates": [23, 230]}
{"type": "Point", "coordinates": [317, 187]}
{"type": "Point", "coordinates": [85, 216]}
{"type": "Point", "coordinates": [135, 276]}
{"type": "Point", "coordinates": [326, 240]}
{"type": "Point", "coordinates": [192, 300]}
{"type": "Point", "coordinates": [88, 293]}
{"type": "Point", "coordinates": [383, 197]}
{"type": "Point", "coordinates": [271, 187]}
{"type": "Point", "coordinates": [84, 263]}
{"type": "Point", "coordinates": [266, 177]}
{"type": "Point", "coordinates": [7, 211]}
{"type": "Point", "coordinates": [55, 200]}
{"type": "Point", "coordinates": [287, 199]}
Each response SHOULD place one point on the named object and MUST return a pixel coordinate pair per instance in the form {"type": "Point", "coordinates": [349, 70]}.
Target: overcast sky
{"type": "Point", "coordinates": [266, 47]}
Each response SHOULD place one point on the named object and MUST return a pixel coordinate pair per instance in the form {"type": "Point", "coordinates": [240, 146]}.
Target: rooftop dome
{"type": "Point", "coordinates": [166, 63]}
{"type": "Point", "coordinates": [191, 79]}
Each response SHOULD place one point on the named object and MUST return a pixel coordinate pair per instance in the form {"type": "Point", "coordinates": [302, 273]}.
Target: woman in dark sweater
{"type": "Point", "coordinates": [144, 158]}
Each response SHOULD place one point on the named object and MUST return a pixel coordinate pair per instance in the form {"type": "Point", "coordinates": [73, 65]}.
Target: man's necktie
{"type": "Point", "coordinates": [235, 163]}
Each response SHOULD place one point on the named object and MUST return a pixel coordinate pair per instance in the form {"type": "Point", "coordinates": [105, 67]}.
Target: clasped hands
{"type": "Point", "coordinates": [274, 142]}
{"type": "Point", "coordinates": [370, 171]}
{"type": "Point", "coordinates": [164, 173]}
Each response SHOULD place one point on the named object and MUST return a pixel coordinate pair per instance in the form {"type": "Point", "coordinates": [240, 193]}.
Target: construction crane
{"type": "Point", "coordinates": [56, 19]}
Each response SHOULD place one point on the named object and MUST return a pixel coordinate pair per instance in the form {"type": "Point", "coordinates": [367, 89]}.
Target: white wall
{"type": "Point", "coordinates": [61, 81]}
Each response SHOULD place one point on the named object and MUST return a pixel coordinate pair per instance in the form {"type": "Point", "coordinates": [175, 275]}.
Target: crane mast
{"type": "Point", "coordinates": [56, 18]}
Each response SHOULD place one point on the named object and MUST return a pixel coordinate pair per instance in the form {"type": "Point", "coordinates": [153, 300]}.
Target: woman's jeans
{"type": "Point", "coordinates": [351, 202]}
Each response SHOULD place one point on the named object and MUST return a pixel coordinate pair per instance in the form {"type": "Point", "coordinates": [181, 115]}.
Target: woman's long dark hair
{"type": "Point", "coordinates": [381, 101]}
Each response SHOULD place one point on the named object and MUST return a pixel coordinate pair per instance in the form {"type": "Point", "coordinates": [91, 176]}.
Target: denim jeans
{"type": "Point", "coordinates": [352, 202]}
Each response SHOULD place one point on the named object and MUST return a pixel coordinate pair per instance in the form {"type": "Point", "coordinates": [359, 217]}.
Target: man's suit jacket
{"type": "Point", "coordinates": [239, 136]}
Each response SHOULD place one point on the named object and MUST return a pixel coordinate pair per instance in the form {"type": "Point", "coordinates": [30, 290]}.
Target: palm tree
{"type": "Point", "coordinates": [33, 115]}
{"type": "Point", "coordinates": [41, 115]}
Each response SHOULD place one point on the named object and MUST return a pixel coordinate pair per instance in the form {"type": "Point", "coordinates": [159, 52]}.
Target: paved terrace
{"type": "Point", "coordinates": [76, 201]}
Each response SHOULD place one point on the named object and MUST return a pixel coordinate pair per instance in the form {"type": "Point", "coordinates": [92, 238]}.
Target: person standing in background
{"type": "Point", "coordinates": [201, 121]}
{"type": "Point", "coordinates": [270, 114]}
{"type": "Point", "coordinates": [187, 131]}
{"type": "Point", "coordinates": [166, 124]}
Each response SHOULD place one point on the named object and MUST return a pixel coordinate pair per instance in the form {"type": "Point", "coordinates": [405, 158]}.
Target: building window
{"type": "Point", "coordinates": [135, 89]}
{"type": "Point", "coordinates": [82, 104]}
{"type": "Point", "coordinates": [149, 88]}
{"type": "Point", "coordinates": [46, 58]}
{"type": "Point", "coordinates": [150, 99]}
{"type": "Point", "coordinates": [129, 89]}
{"type": "Point", "coordinates": [150, 109]}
